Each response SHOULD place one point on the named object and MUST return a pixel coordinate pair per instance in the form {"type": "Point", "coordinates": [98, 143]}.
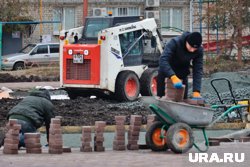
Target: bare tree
{"type": "Point", "coordinates": [232, 17]}
{"type": "Point", "coordinates": [14, 10]}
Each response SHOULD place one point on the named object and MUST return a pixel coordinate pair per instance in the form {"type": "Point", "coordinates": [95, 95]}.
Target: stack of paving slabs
{"type": "Point", "coordinates": [32, 143]}
{"type": "Point", "coordinates": [55, 137]}
{"type": "Point", "coordinates": [119, 140]}
{"type": "Point", "coordinates": [99, 139]}
{"type": "Point", "coordinates": [86, 139]}
{"type": "Point", "coordinates": [11, 140]}
{"type": "Point", "coordinates": [134, 132]}
{"type": "Point", "coordinates": [65, 149]}
{"type": "Point", "coordinates": [171, 93]}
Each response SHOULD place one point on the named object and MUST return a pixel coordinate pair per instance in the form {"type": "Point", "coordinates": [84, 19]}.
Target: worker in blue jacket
{"type": "Point", "coordinates": [179, 54]}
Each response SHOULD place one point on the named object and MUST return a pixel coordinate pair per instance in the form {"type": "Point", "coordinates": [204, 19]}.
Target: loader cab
{"type": "Point", "coordinates": [132, 52]}
{"type": "Point", "coordinates": [95, 24]}
{"type": "Point", "coordinates": [138, 49]}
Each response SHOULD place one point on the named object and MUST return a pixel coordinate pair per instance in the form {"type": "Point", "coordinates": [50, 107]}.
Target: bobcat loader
{"type": "Point", "coordinates": [118, 65]}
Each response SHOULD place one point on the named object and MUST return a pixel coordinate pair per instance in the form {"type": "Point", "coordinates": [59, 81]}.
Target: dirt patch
{"type": "Point", "coordinates": [31, 75]}
{"type": "Point", "coordinates": [85, 111]}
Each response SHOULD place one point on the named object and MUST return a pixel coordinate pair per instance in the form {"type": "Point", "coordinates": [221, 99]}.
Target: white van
{"type": "Point", "coordinates": [32, 55]}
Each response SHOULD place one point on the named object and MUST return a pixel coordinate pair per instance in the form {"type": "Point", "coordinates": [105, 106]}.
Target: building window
{"type": "Point", "coordinates": [171, 18]}
{"type": "Point", "coordinates": [56, 17]}
{"type": "Point", "coordinates": [129, 11]}
{"type": "Point", "coordinates": [67, 16]}
{"type": "Point", "coordinates": [122, 11]}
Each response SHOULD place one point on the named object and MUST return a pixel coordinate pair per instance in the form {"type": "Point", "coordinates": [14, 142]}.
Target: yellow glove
{"type": "Point", "coordinates": [176, 82]}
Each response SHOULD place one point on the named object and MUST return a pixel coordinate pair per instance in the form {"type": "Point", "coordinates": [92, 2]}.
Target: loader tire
{"type": "Point", "coordinates": [153, 137]}
{"type": "Point", "coordinates": [180, 138]}
{"type": "Point", "coordinates": [127, 86]}
{"type": "Point", "coordinates": [148, 82]}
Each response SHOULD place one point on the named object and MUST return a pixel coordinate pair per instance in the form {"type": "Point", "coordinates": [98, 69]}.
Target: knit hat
{"type": "Point", "coordinates": [194, 39]}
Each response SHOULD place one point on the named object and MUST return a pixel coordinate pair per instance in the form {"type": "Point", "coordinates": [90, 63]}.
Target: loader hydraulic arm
{"type": "Point", "coordinates": [150, 26]}
{"type": "Point", "coordinates": [133, 44]}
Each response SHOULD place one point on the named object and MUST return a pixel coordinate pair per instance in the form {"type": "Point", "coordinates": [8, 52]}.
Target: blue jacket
{"type": "Point", "coordinates": [176, 60]}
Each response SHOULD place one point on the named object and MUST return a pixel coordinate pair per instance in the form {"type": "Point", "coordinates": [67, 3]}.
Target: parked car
{"type": "Point", "coordinates": [33, 54]}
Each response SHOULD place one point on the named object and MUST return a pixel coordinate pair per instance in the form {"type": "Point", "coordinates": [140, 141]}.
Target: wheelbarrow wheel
{"type": "Point", "coordinates": [180, 138]}
{"type": "Point", "coordinates": [154, 139]}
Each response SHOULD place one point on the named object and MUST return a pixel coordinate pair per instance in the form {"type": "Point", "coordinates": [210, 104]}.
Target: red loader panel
{"type": "Point", "coordinates": [81, 64]}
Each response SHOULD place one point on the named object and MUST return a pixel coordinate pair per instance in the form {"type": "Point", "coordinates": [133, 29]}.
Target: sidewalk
{"type": "Point", "coordinates": [139, 158]}
{"type": "Point", "coordinates": [28, 85]}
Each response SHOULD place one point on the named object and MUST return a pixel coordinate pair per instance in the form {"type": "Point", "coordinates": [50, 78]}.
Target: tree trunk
{"type": "Point", "coordinates": [239, 32]}
{"type": "Point", "coordinates": [239, 46]}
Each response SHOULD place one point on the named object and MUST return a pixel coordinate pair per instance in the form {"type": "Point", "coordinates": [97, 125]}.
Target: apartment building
{"type": "Point", "coordinates": [168, 13]}
{"type": "Point", "coordinates": [172, 16]}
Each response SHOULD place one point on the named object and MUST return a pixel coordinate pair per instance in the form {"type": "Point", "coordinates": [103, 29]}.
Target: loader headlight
{"type": "Point", "coordinates": [70, 51]}
{"type": "Point", "coordinates": [86, 52]}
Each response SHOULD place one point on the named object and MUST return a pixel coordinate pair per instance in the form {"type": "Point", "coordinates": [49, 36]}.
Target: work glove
{"type": "Point", "coordinates": [176, 82]}
{"type": "Point", "coordinates": [197, 96]}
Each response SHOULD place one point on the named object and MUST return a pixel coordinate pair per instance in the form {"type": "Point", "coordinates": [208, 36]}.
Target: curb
{"type": "Point", "coordinates": [111, 128]}
{"type": "Point", "coordinates": [78, 129]}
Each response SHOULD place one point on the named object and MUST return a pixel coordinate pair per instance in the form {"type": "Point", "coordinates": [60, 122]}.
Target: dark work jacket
{"type": "Point", "coordinates": [35, 108]}
{"type": "Point", "coordinates": [175, 60]}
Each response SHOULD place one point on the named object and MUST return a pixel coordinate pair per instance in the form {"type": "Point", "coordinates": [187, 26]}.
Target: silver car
{"type": "Point", "coordinates": [32, 55]}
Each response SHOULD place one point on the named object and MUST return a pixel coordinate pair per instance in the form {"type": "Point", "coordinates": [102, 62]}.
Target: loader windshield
{"type": "Point", "coordinates": [94, 26]}
{"type": "Point", "coordinates": [131, 47]}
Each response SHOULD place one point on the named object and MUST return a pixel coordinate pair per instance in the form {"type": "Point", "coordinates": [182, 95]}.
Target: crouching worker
{"type": "Point", "coordinates": [32, 112]}
{"type": "Point", "coordinates": [175, 63]}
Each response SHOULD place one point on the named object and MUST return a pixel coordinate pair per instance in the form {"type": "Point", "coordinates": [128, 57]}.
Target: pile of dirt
{"type": "Point", "coordinates": [6, 77]}
{"type": "Point", "coordinates": [85, 111]}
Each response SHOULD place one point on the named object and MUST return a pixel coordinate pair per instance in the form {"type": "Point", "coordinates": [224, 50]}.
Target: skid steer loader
{"type": "Point", "coordinates": [119, 65]}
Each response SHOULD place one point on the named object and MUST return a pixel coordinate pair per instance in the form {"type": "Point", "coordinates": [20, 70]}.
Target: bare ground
{"type": "Point", "coordinates": [85, 111]}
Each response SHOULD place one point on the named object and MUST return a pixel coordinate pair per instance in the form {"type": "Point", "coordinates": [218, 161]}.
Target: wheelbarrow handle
{"type": "Point", "coordinates": [229, 85]}
{"type": "Point", "coordinates": [221, 106]}
{"type": "Point", "coordinates": [229, 106]}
